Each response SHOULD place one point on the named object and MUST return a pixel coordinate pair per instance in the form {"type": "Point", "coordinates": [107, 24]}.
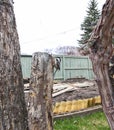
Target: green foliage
{"type": "Point", "coordinates": [89, 21]}
{"type": "Point", "coordinates": [95, 121]}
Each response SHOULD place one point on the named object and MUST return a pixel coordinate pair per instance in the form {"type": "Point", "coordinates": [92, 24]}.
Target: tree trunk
{"type": "Point", "coordinates": [40, 98]}
{"type": "Point", "coordinates": [13, 113]}
{"type": "Point", "coordinates": [100, 48]}
{"type": "Point", "coordinates": [105, 88]}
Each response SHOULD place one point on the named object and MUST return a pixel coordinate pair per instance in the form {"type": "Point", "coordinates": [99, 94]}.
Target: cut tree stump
{"type": "Point", "coordinates": [40, 97]}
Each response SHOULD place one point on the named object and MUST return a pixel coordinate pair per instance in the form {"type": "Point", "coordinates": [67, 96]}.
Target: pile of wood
{"type": "Point", "coordinates": [64, 87]}
{"type": "Point", "coordinates": [69, 87]}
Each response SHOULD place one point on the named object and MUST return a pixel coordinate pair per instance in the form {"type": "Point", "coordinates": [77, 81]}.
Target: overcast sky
{"type": "Point", "coordinates": [49, 23]}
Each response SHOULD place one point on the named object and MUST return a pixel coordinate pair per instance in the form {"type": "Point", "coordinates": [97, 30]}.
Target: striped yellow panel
{"type": "Point", "coordinates": [62, 107]}
{"type": "Point", "coordinates": [68, 106]}
{"type": "Point", "coordinates": [56, 108]}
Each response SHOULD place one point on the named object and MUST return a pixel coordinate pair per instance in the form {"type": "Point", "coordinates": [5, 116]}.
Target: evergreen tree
{"type": "Point", "coordinates": [89, 21]}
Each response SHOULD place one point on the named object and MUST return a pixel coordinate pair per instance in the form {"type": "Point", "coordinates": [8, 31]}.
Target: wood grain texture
{"type": "Point", "coordinates": [100, 49]}
{"type": "Point", "coordinates": [13, 113]}
{"type": "Point", "coordinates": [40, 97]}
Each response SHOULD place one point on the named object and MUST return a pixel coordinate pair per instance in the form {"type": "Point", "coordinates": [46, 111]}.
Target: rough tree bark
{"type": "Point", "coordinates": [100, 49]}
{"type": "Point", "coordinates": [13, 113]}
{"type": "Point", "coordinates": [40, 97]}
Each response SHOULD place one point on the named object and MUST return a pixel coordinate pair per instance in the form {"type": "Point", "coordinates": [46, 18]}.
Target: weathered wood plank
{"type": "Point", "coordinates": [63, 91]}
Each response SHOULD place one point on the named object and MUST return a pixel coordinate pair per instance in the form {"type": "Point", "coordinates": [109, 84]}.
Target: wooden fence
{"type": "Point", "coordinates": [71, 67]}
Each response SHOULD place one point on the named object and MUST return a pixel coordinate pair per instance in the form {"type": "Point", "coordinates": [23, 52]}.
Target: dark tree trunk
{"type": "Point", "coordinates": [40, 98]}
{"type": "Point", "coordinates": [13, 113]}
{"type": "Point", "coordinates": [100, 48]}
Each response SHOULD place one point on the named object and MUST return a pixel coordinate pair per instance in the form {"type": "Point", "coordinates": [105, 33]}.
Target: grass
{"type": "Point", "coordinates": [95, 121]}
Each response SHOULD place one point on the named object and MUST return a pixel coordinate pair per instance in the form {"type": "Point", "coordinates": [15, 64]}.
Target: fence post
{"type": "Point", "coordinates": [64, 68]}
{"type": "Point", "coordinates": [40, 97]}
